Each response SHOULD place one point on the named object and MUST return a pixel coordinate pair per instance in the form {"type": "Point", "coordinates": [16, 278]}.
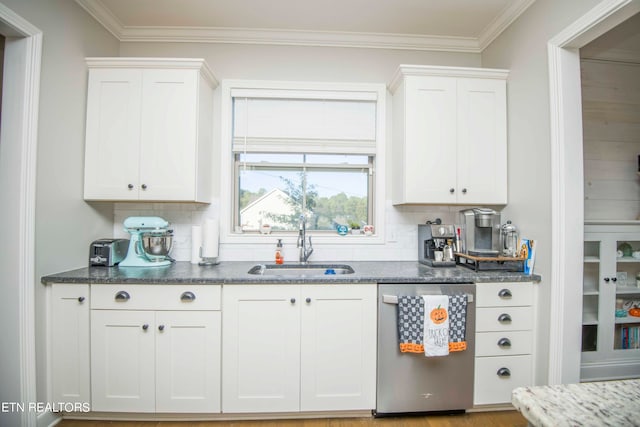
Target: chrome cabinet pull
{"type": "Point", "coordinates": [144, 186]}
{"type": "Point", "coordinates": [452, 190]}
{"type": "Point", "coordinates": [80, 299]}
{"type": "Point", "coordinates": [161, 328]}
{"type": "Point", "coordinates": [187, 296]}
{"type": "Point", "coordinates": [504, 318]}
{"type": "Point", "coordinates": [145, 327]}
{"type": "Point", "coordinates": [464, 191]}
{"type": "Point", "coordinates": [504, 372]}
{"type": "Point", "coordinates": [308, 300]}
{"type": "Point", "coordinates": [293, 300]}
{"type": "Point", "coordinates": [130, 186]}
{"type": "Point", "coordinates": [122, 296]}
{"type": "Point", "coordinates": [505, 294]}
{"type": "Point", "coordinates": [504, 342]}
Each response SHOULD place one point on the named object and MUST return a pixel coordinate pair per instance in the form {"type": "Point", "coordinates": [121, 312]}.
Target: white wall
{"type": "Point", "coordinates": [522, 49]}
{"type": "Point", "coordinates": [298, 64]}
{"type": "Point", "coordinates": [65, 224]}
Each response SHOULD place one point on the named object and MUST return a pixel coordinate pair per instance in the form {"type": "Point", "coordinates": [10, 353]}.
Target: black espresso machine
{"type": "Point", "coordinates": [436, 244]}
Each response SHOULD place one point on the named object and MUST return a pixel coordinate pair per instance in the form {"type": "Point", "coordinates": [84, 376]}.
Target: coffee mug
{"type": "Point", "coordinates": [438, 255]}
{"type": "Point", "coordinates": [636, 254]}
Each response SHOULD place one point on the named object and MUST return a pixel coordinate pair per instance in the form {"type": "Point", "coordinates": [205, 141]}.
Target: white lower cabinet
{"type": "Point", "coordinates": [70, 373]}
{"type": "Point", "coordinates": [504, 341]}
{"type": "Point", "coordinates": [289, 348]}
{"type": "Point", "coordinates": [149, 356]}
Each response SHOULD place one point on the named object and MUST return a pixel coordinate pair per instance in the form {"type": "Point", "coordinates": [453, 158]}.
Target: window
{"type": "Point", "coordinates": [305, 149]}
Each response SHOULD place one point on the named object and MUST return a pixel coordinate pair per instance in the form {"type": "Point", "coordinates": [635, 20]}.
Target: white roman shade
{"type": "Point", "coordinates": [304, 121]}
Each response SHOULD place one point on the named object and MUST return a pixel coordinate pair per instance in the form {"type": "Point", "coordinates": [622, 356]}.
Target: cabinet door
{"type": "Point", "coordinates": [482, 141]}
{"type": "Point", "coordinates": [168, 135]}
{"type": "Point", "coordinates": [430, 140]}
{"type": "Point", "coordinates": [338, 347]}
{"type": "Point", "coordinates": [112, 135]}
{"type": "Point", "coordinates": [122, 361]}
{"type": "Point", "coordinates": [188, 361]}
{"type": "Point", "coordinates": [261, 348]}
{"type": "Point", "coordinates": [70, 343]}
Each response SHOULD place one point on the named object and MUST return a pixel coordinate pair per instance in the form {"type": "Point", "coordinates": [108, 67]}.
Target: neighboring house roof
{"type": "Point", "coordinates": [275, 202]}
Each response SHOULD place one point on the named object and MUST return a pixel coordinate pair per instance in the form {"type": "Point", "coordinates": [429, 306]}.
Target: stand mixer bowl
{"type": "Point", "coordinates": [157, 244]}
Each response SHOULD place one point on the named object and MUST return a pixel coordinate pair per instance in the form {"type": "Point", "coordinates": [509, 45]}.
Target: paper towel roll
{"type": "Point", "coordinates": [210, 236]}
{"type": "Point", "coordinates": [196, 243]}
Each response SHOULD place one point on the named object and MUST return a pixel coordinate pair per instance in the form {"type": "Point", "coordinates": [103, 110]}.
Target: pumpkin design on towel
{"type": "Point", "coordinates": [438, 315]}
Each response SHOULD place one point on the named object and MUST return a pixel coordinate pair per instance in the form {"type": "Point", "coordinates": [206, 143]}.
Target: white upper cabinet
{"type": "Point", "coordinates": [149, 130]}
{"type": "Point", "coordinates": [450, 135]}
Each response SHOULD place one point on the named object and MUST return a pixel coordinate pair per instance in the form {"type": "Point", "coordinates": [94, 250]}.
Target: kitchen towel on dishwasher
{"type": "Point", "coordinates": [457, 322]}
{"type": "Point", "coordinates": [436, 325]}
{"type": "Point", "coordinates": [411, 323]}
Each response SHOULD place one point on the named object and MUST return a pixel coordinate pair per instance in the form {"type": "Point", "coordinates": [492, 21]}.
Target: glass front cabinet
{"type": "Point", "coordinates": [611, 291]}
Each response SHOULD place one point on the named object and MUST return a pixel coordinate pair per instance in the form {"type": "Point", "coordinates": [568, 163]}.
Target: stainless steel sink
{"type": "Point", "coordinates": [302, 270]}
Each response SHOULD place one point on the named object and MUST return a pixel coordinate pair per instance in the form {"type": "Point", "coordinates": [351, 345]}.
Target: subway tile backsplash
{"type": "Point", "coordinates": [400, 233]}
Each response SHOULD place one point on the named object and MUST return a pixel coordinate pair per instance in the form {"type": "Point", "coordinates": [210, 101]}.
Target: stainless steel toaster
{"type": "Point", "coordinates": [107, 252]}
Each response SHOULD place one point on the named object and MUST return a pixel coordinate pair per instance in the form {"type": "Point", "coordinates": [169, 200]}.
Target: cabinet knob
{"type": "Point", "coordinates": [452, 190]}
{"type": "Point", "coordinates": [80, 299]}
{"type": "Point", "coordinates": [144, 186]}
{"type": "Point", "coordinates": [606, 279]}
{"type": "Point", "coordinates": [464, 191]}
{"type": "Point", "coordinates": [308, 300]}
{"type": "Point", "coordinates": [504, 342]}
{"type": "Point", "coordinates": [145, 326]}
{"type": "Point", "coordinates": [293, 300]}
{"type": "Point", "coordinates": [505, 294]}
{"type": "Point", "coordinates": [504, 318]}
{"type": "Point", "coordinates": [187, 296]}
{"type": "Point", "coordinates": [122, 296]}
{"type": "Point", "coordinates": [161, 328]}
{"type": "Point", "coordinates": [614, 279]}
{"type": "Point", "coordinates": [130, 186]}
{"type": "Point", "coordinates": [504, 372]}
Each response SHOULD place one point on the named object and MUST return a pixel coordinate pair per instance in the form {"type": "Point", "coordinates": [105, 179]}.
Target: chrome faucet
{"type": "Point", "coordinates": [305, 252]}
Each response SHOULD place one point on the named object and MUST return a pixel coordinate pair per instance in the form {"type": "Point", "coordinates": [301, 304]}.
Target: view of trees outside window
{"type": "Point", "coordinates": [328, 194]}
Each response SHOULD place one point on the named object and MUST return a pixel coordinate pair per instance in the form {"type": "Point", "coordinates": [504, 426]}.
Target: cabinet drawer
{"type": "Point", "coordinates": [496, 319]}
{"type": "Point", "coordinates": [490, 387]}
{"type": "Point", "coordinates": [504, 294]}
{"type": "Point", "coordinates": [506, 343]}
{"type": "Point", "coordinates": [155, 297]}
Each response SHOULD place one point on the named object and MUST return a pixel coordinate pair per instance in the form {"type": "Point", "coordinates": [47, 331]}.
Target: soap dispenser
{"type": "Point", "coordinates": [279, 254]}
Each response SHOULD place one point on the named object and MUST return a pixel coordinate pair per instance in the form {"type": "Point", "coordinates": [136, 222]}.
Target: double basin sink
{"type": "Point", "coordinates": [301, 270]}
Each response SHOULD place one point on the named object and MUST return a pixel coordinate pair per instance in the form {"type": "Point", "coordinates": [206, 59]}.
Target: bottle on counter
{"type": "Point", "coordinates": [279, 254]}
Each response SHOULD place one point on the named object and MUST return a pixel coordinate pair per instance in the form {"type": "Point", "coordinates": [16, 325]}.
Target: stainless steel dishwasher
{"type": "Point", "coordinates": [410, 383]}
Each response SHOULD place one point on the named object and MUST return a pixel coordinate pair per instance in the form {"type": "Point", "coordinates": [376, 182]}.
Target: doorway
{"type": "Point", "coordinates": [18, 140]}
{"type": "Point", "coordinates": [567, 183]}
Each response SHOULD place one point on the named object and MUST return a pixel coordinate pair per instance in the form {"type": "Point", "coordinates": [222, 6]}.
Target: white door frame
{"type": "Point", "coordinates": [21, 139]}
{"type": "Point", "coordinates": [567, 193]}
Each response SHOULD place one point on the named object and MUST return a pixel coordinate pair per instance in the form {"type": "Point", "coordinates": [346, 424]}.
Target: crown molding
{"type": "Point", "coordinates": [168, 34]}
{"type": "Point", "coordinates": [103, 15]}
{"type": "Point", "coordinates": [404, 71]}
{"type": "Point", "coordinates": [502, 22]}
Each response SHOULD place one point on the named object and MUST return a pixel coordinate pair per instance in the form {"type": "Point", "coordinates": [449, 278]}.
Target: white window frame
{"type": "Point", "coordinates": [227, 158]}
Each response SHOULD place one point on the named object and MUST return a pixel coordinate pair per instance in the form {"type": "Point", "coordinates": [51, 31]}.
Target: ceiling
{"type": "Point", "coordinates": [451, 25]}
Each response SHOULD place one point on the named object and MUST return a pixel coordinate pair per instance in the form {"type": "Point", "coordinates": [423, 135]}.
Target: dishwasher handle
{"type": "Point", "coordinates": [393, 299]}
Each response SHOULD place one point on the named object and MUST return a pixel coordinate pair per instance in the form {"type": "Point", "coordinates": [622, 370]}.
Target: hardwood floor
{"type": "Point", "coordinates": [476, 419]}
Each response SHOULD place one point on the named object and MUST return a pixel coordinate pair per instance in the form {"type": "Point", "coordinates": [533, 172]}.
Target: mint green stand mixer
{"type": "Point", "coordinates": [150, 242]}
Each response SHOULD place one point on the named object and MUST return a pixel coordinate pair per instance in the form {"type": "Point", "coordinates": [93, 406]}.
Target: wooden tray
{"type": "Point", "coordinates": [487, 263]}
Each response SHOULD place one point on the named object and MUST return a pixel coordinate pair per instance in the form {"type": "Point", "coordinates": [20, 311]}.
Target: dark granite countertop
{"type": "Point", "coordinates": [236, 272]}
